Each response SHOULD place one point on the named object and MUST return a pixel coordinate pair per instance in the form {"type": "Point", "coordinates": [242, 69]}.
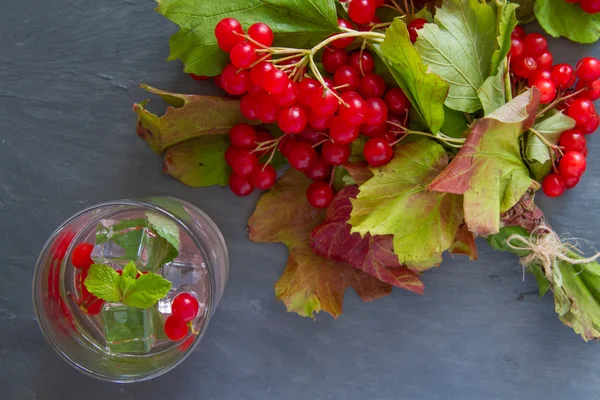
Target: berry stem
{"type": "Point", "coordinates": [450, 141]}
{"type": "Point", "coordinates": [545, 141]}
{"type": "Point", "coordinates": [558, 100]}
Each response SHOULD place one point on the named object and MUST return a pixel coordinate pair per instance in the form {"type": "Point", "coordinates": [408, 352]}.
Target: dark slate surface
{"type": "Point", "coordinates": [68, 76]}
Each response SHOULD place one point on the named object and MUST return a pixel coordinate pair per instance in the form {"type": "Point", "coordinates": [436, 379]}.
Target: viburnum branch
{"type": "Point", "coordinates": [559, 99]}
{"type": "Point", "coordinates": [450, 141]}
{"type": "Point", "coordinates": [319, 77]}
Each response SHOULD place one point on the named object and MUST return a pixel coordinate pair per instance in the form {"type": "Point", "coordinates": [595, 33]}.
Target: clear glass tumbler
{"type": "Point", "coordinates": [88, 334]}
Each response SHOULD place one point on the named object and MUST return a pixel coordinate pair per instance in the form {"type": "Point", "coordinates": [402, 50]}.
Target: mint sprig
{"type": "Point", "coordinates": [104, 282]}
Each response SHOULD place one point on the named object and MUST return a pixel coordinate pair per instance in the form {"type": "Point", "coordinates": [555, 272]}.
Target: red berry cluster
{"type": "Point", "coordinates": [589, 6]}
{"type": "Point", "coordinates": [319, 121]}
{"type": "Point", "coordinates": [82, 260]}
{"type": "Point", "coordinates": [531, 61]}
{"type": "Point", "coordinates": [184, 309]}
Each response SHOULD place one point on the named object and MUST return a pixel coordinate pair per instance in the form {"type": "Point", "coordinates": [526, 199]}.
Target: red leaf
{"type": "Point", "coordinates": [371, 254]}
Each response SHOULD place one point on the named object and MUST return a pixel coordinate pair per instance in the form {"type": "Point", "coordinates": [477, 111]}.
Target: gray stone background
{"type": "Point", "coordinates": [69, 72]}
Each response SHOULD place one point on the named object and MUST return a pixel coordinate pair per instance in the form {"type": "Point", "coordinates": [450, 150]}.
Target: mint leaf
{"type": "Point", "coordinates": [296, 24]}
{"type": "Point", "coordinates": [559, 18]}
{"type": "Point", "coordinates": [130, 270]}
{"type": "Point", "coordinates": [146, 291]}
{"type": "Point", "coordinates": [459, 48]}
{"type": "Point", "coordinates": [166, 229]}
{"type": "Point", "coordinates": [425, 90]}
{"type": "Point", "coordinates": [199, 161]}
{"type": "Point", "coordinates": [103, 282]}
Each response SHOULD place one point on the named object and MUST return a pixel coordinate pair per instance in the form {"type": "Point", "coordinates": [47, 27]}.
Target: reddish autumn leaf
{"type": "Point", "coordinates": [464, 243]}
{"type": "Point", "coordinates": [359, 171]}
{"type": "Point", "coordinates": [310, 282]}
{"type": "Point", "coordinates": [371, 254]}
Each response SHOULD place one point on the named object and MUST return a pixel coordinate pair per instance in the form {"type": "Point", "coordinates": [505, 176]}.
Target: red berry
{"type": "Point", "coordinates": [414, 27]}
{"type": "Point", "coordinates": [306, 89]}
{"type": "Point", "coordinates": [199, 77]}
{"type": "Point", "coordinates": [396, 101]}
{"type": "Point", "coordinates": [175, 329]}
{"type": "Point", "coordinates": [334, 58]}
{"type": "Point", "coordinates": [292, 119]}
{"type": "Point", "coordinates": [318, 170]}
{"type": "Point", "coordinates": [547, 90]}
{"type": "Point", "coordinates": [572, 140]}
{"type": "Point", "coordinates": [244, 162]}
{"type": "Point", "coordinates": [582, 111]}
{"type": "Point", "coordinates": [310, 136]}
{"type": "Point", "coordinates": [218, 81]}
{"type": "Point", "coordinates": [588, 69]}
{"type": "Point", "coordinates": [376, 112]}
{"type": "Point", "coordinates": [335, 153]}
{"type": "Point", "coordinates": [535, 44]}
{"type": "Point", "coordinates": [301, 155]}
{"type": "Point", "coordinates": [185, 307]}
{"type": "Point", "coordinates": [234, 82]}
{"type": "Point", "coordinates": [347, 77]}
{"type": "Point", "coordinates": [571, 182]}
{"type": "Point", "coordinates": [517, 49]}
{"type": "Point", "coordinates": [261, 33]}
{"type": "Point", "coordinates": [248, 106]}
{"type": "Point", "coordinates": [371, 85]}
{"type": "Point", "coordinates": [592, 91]}
{"type": "Point", "coordinates": [553, 185]}
{"type": "Point", "coordinates": [242, 136]}
{"type": "Point", "coordinates": [323, 102]}
{"type": "Point", "coordinates": [240, 185]}
{"type": "Point", "coordinates": [288, 97]}
{"type": "Point", "coordinates": [264, 177]}
{"type": "Point", "coordinates": [544, 61]}
{"type": "Point", "coordinates": [345, 42]}
{"type": "Point", "coordinates": [590, 6]}
{"type": "Point", "coordinates": [373, 130]}
{"type": "Point", "coordinates": [591, 125]}
{"type": "Point", "coordinates": [275, 81]}
{"type": "Point", "coordinates": [361, 11]}
{"type": "Point", "coordinates": [539, 74]}
{"type": "Point", "coordinates": [319, 122]}
{"type": "Point", "coordinates": [563, 76]}
{"type": "Point", "coordinates": [285, 145]}
{"type": "Point", "coordinates": [81, 256]}
{"type": "Point", "coordinates": [93, 306]}
{"type": "Point", "coordinates": [267, 110]}
{"type": "Point", "coordinates": [524, 67]}
{"type": "Point", "coordinates": [363, 62]}
{"type": "Point", "coordinates": [377, 152]}
{"type": "Point", "coordinates": [341, 131]}
{"type": "Point", "coordinates": [257, 73]}
{"type": "Point", "coordinates": [518, 32]}
{"type": "Point", "coordinates": [319, 194]}
{"type": "Point", "coordinates": [242, 55]}
{"type": "Point", "coordinates": [572, 164]}
{"type": "Point", "coordinates": [229, 32]}
{"type": "Point", "coordinates": [354, 110]}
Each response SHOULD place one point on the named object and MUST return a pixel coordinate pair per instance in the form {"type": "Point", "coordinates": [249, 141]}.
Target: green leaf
{"type": "Point", "coordinates": [540, 277]}
{"type": "Point", "coordinates": [539, 171]}
{"type": "Point", "coordinates": [130, 270]}
{"type": "Point", "coordinates": [396, 202]}
{"type": "Point", "coordinates": [507, 21]}
{"type": "Point", "coordinates": [425, 90]}
{"type": "Point", "coordinates": [525, 12]}
{"type": "Point", "coordinates": [295, 23]}
{"type": "Point", "coordinates": [498, 240]}
{"type": "Point", "coordinates": [493, 91]}
{"type": "Point", "coordinates": [550, 128]}
{"type": "Point", "coordinates": [147, 290]}
{"type": "Point", "coordinates": [166, 229]}
{"type": "Point", "coordinates": [488, 169]}
{"type": "Point", "coordinates": [199, 162]}
{"type": "Point", "coordinates": [103, 282]}
{"type": "Point", "coordinates": [459, 48]}
{"type": "Point", "coordinates": [191, 116]}
{"type": "Point", "coordinates": [560, 18]}
{"type": "Point", "coordinates": [455, 123]}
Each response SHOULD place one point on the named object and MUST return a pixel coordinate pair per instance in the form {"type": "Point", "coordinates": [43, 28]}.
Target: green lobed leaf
{"type": "Point", "coordinates": [525, 11]}
{"type": "Point", "coordinates": [550, 128]}
{"type": "Point", "coordinates": [295, 23]}
{"type": "Point", "coordinates": [488, 169]}
{"type": "Point", "coordinates": [560, 18]}
{"type": "Point", "coordinates": [199, 161]}
{"type": "Point", "coordinates": [188, 117]}
{"type": "Point", "coordinates": [507, 21]}
{"type": "Point", "coordinates": [459, 48]}
{"type": "Point", "coordinates": [103, 282]}
{"type": "Point", "coordinates": [425, 90]}
{"type": "Point", "coordinates": [147, 290]}
{"type": "Point", "coordinates": [396, 202]}
{"type": "Point", "coordinates": [455, 123]}
{"type": "Point", "coordinates": [493, 91]}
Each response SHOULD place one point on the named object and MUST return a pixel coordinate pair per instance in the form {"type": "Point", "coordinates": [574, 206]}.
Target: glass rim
{"type": "Point", "coordinates": [143, 204]}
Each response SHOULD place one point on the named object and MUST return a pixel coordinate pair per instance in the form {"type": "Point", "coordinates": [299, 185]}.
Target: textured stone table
{"type": "Point", "coordinates": [68, 77]}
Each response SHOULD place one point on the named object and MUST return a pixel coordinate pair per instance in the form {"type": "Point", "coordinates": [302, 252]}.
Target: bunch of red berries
{"type": "Point", "coordinates": [531, 61]}
{"type": "Point", "coordinates": [589, 6]}
{"type": "Point", "coordinates": [81, 259]}
{"type": "Point", "coordinates": [320, 118]}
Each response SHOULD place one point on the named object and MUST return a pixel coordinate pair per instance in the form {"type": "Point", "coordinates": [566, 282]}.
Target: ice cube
{"type": "Point", "coordinates": [128, 329]}
{"type": "Point", "coordinates": [182, 273]}
{"type": "Point", "coordinates": [118, 243]}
